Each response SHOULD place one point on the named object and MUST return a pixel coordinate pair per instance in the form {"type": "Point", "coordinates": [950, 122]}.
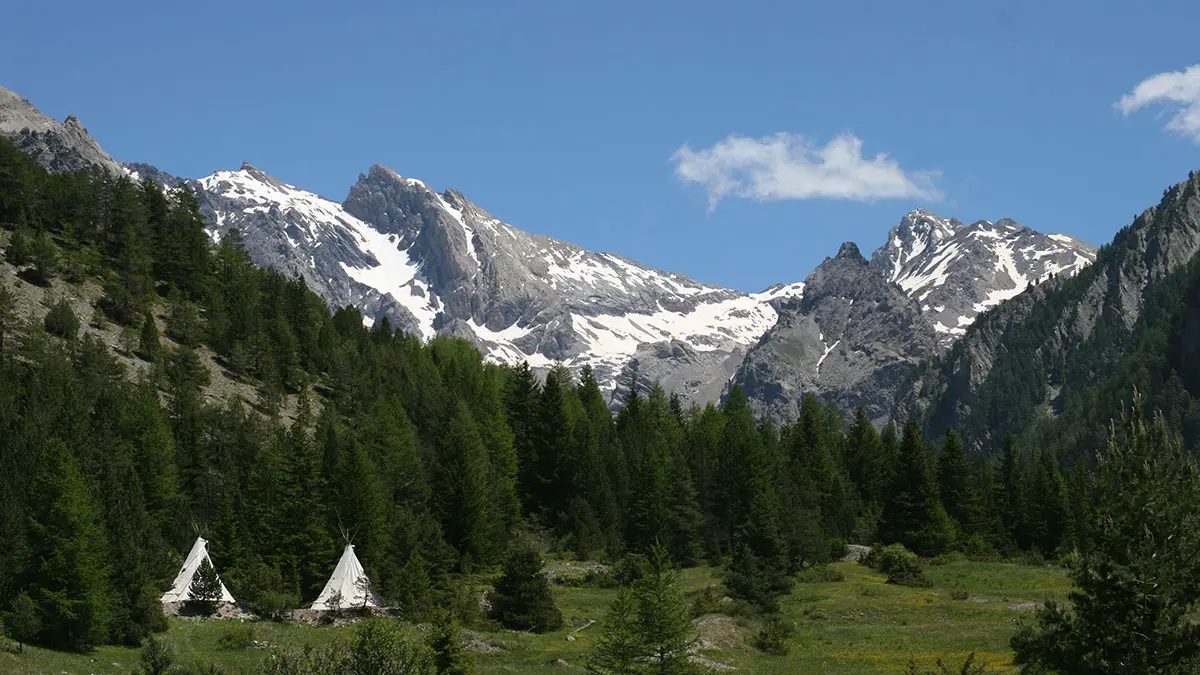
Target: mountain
{"type": "Point", "coordinates": [863, 329]}
{"type": "Point", "coordinates": [957, 270]}
{"type": "Point", "coordinates": [57, 146]}
{"type": "Point", "coordinates": [437, 263]}
{"type": "Point", "coordinates": [853, 338]}
{"type": "Point", "coordinates": [1040, 358]}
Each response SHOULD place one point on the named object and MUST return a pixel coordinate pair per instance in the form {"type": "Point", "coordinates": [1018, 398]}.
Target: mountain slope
{"type": "Point", "coordinates": [957, 270]}
{"type": "Point", "coordinates": [1040, 350]}
{"type": "Point", "coordinates": [436, 263]}
{"type": "Point", "coordinates": [854, 338]}
{"type": "Point", "coordinates": [57, 147]}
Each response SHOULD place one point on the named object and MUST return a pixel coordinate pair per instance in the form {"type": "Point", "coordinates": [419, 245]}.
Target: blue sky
{"type": "Point", "coordinates": [582, 120]}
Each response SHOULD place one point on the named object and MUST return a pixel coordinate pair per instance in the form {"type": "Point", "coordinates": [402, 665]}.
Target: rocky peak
{"type": "Point", "coordinates": [62, 147]}
{"type": "Point", "coordinates": [850, 250]}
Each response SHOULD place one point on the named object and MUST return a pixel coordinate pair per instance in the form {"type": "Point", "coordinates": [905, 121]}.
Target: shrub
{"type": "Point", "coordinates": [629, 568]}
{"type": "Point", "coordinates": [236, 637]}
{"type": "Point", "coordinates": [958, 594]}
{"type": "Point", "coordinates": [61, 320]}
{"type": "Point", "coordinates": [901, 566]}
{"type": "Point", "coordinates": [773, 637]}
{"type": "Point", "coordinates": [707, 600]}
{"type": "Point", "coordinates": [157, 657]}
{"type": "Point", "coordinates": [820, 574]}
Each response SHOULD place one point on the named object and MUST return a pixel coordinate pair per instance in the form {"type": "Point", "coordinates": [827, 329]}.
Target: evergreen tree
{"type": "Point", "coordinates": [664, 620]}
{"type": "Point", "coordinates": [913, 515]}
{"type": "Point", "coordinates": [61, 320]}
{"type": "Point", "coordinates": [1047, 516]}
{"type": "Point", "coordinates": [954, 479]}
{"type": "Point", "coordinates": [70, 586]}
{"type": "Point", "coordinates": [8, 315]}
{"type": "Point", "coordinates": [620, 650]}
{"type": "Point", "coordinates": [205, 589]}
{"type": "Point", "coordinates": [1010, 501]}
{"type": "Point", "coordinates": [149, 346]}
{"type": "Point", "coordinates": [22, 622]}
{"type": "Point", "coordinates": [461, 478]}
{"type": "Point", "coordinates": [521, 599]}
{"type": "Point", "coordinates": [449, 657]}
{"type": "Point", "coordinates": [1137, 578]}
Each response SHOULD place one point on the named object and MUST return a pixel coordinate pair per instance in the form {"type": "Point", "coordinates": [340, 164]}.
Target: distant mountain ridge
{"type": "Point", "coordinates": [436, 263]}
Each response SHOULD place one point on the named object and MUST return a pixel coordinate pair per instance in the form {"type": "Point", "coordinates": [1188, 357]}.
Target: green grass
{"type": "Point", "coordinates": [860, 625]}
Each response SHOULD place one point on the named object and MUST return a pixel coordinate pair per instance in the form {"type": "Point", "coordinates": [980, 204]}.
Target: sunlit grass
{"type": "Point", "coordinates": [856, 626]}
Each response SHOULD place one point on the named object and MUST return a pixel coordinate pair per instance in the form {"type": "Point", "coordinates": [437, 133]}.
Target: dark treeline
{"type": "Point", "coordinates": [435, 458]}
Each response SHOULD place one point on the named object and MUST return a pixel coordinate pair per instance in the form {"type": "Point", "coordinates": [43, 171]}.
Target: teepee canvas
{"type": "Point", "coordinates": [181, 587]}
{"type": "Point", "coordinates": [348, 587]}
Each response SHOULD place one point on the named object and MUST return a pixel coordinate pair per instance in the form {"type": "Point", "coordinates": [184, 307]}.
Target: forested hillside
{"type": "Point", "coordinates": [1054, 365]}
{"type": "Point", "coordinates": [436, 459]}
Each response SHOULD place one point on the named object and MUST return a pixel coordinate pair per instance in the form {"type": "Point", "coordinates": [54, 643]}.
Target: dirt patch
{"type": "Point", "coordinates": [719, 632]}
{"type": "Point", "coordinates": [855, 552]}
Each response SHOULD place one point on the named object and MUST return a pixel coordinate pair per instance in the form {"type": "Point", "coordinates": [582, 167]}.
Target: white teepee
{"type": "Point", "coordinates": [348, 587]}
{"type": "Point", "coordinates": [181, 588]}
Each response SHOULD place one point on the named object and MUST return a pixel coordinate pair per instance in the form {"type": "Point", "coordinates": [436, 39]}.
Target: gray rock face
{"type": "Point", "coordinates": [1111, 292]}
{"type": "Point", "coordinates": [59, 147]}
{"type": "Point", "coordinates": [438, 264]}
{"type": "Point", "coordinates": [854, 338]}
{"type": "Point", "coordinates": [957, 270]}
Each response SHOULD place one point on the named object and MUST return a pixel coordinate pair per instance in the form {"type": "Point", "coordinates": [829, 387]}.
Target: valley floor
{"type": "Point", "coordinates": [859, 625]}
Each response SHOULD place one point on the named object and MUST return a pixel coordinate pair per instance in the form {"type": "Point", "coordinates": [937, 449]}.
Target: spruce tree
{"type": "Point", "coordinates": [1137, 576]}
{"type": "Point", "coordinates": [61, 320]}
{"type": "Point", "coordinates": [1010, 501]}
{"type": "Point", "coordinates": [619, 651]}
{"type": "Point", "coordinates": [664, 619]}
{"type": "Point", "coordinates": [449, 657]}
{"type": "Point", "coordinates": [8, 315]}
{"type": "Point", "coordinates": [521, 598]}
{"type": "Point", "coordinates": [205, 589]}
{"type": "Point", "coordinates": [72, 580]}
{"type": "Point", "coordinates": [149, 346]}
{"type": "Point", "coordinates": [1047, 511]}
{"type": "Point", "coordinates": [913, 514]}
{"type": "Point", "coordinates": [22, 622]}
{"type": "Point", "coordinates": [954, 479]}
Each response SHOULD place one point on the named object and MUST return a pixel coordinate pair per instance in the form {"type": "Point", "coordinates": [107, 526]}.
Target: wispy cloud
{"type": "Point", "coordinates": [1181, 90]}
{"type": "Point", "coordinates": [786, 166]}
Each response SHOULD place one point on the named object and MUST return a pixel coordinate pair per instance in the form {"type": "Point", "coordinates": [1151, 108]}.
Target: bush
{"type": "Point", "coordinates": [61, 320]}
{"type": "Point", "coordinates": [773, 637]}
{"type": "Point", "coordinates": [236, 637]}
{"type": "Point", "coordinates": [376, 648]}
{"type": "Point", "coordinates": [157, 657]}
{"type": "Point", "coordinates": [958, 594]}
{"type": "Point", "coordinates": [707, 600]}
{"type": "Point", "coordinates": [901, 566]}
{"type": "Point", "coordinates": [947, 558]}
{"type": "Point", "coordinates": [819, 574]}
{"type": "Point", "coordinates": [629, 568]}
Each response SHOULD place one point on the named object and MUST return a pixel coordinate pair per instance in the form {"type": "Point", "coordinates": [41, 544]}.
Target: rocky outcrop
{"type": "Point", "coordinates": [854, 338]}
{"type": "Point", "coordinates": [59, 147]}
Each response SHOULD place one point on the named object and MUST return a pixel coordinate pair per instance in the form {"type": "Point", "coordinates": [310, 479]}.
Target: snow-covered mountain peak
{"type": "Point", "coordinates": [955, 271]}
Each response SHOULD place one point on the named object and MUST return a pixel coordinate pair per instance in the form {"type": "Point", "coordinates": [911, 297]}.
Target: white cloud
{"type": "Point", "coordinates": [786, 166]}
{"type": "Point", "coordinates": [1181, 89]}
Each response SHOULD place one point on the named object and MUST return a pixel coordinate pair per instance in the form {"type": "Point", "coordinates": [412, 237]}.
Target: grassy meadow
{"type": "Point", "coordinates": [858, 625]}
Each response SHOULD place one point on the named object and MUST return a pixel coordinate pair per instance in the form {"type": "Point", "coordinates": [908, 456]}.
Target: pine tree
{"type": "Point", "coordinates": [461, 478]}
{"type": "Point", "coordinates": [1137, 577]}
{"type": "Point", "coordinates": [1010, 502]}
{"type": "Point", "coordinates": [521, 599]}
{"type": "Point", "coordinates": [1047, 516]}
{"type": "Point", "coordinates": [954, 479]}
{"type": "Point", "coordinates": [149, 346]}
{"type": "Point", "coordinates": [72, 581]}
{"type": "Point", "coordinates": [8, 315]}
{"type": "Point", "coordinates": [449, 657]}
{"type": "Point", "coordinates": [61, 320]}
{"type": "Point", "coordinates": [205, 589]}
{"type": "Point", "coordinates": [913, 515]}
{"type": "Point", "coordinates": [619, 651]}
{"type": "Point", "coordinates": [22, 622]}
{"type": "Point", "coordinates": [664, 620]}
